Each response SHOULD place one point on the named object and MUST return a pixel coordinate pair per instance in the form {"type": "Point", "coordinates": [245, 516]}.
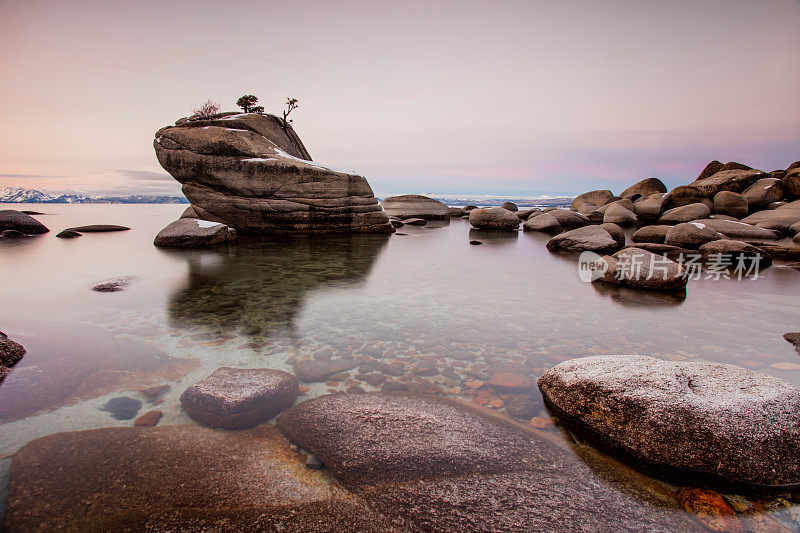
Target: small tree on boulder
{"type": "Point", "coordinates": [292, 105]}
{"type": "Point", "coordinates": [246, 102]}
{"type": "Point", "coordinates": [207, 109]}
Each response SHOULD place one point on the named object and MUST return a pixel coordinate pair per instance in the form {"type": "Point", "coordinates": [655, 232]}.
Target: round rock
{"type": "Point", "coordinates": [233, 398]}
{"type": "Point", "coordinates": [697, 416]}
{"type": "Point", "coordinates": [495, 218]}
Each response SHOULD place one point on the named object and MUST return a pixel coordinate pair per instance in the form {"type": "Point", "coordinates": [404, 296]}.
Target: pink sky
{"type": "Point", "coordinates": [520, 97]}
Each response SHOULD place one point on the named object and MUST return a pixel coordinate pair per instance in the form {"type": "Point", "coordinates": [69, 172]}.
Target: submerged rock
{"type": "Point", "coordinates": [495, 218]}
{"type": "Point", "coordinates": [16, 220]}
{"type": "Point", "coordinates": [233, 398]}
{"type": "Point", "coordinates": [114, 284]}
{"type": "Point", "coordinates": [175, 478]}
{"type": "Point", "coordinates": [311, 371]}
{"type": "Point", "coordinates": [252, 172]}
{"type": "Point", "coordinates": [194, 233]}
{"type": "Point", "coordinates": [415, 206]}
{"type": "Point", "coordinates": [432, 464]}
{"type": "Point", "coordinates": [98, 228]}
{"type": "Point", "coordinates": [69, 234]}
{"type": "Point", "coordinates": [696, 416]}
{"type": "Point", "coordinates": [122, 408]}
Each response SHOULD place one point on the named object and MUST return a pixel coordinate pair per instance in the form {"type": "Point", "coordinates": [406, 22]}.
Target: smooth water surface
{"type": "Point", "coordinates": [435, 309]}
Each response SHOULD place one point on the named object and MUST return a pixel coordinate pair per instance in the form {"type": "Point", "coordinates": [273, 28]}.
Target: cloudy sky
{"type": "Point", "coordinates": [506, 97]}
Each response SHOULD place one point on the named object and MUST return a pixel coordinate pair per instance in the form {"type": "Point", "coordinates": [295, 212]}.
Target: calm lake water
{"type": "Point", "coordinates": [423, 296]}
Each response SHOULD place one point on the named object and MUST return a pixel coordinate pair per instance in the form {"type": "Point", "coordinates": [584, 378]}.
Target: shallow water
{"type": "Point", "coordinates": [423, 294]}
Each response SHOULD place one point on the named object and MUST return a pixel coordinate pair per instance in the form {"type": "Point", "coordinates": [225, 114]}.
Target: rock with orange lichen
{"type": "Point", "coordinates": [711, 509]}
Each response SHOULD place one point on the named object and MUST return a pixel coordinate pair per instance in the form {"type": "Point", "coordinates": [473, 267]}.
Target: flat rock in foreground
{"type": "Point", "coordinates": [696, 416]}
{"type": "Point", "coordinates": [433, 464]}
{"type": "Point", "coordinates": [174, 478]}
{"type": "Point", "coordinates": [98, 228]}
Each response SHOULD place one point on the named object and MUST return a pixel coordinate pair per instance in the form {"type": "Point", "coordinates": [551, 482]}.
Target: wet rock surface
{"type": "Point", "coordinates": [233, 398]}
{"type": "Point", "coordinates": [703, 417]}
{"type": "Point", "coordinates": [434, 464]}
{"type": "Point", "coordinates": [175, 478]}
{"type": "Point", "coordinates": [10, 354]}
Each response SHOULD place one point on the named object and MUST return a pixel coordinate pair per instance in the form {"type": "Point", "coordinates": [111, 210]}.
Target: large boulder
{"type": "Point", "coordinates": [433, 464]}
{"type": "Point", "coordinates": [233, 398]}
{"type": "Point", "coordinates": [710, 169]}
{"type": "Point", "coordinates": [618, 214]}
{"type": "Point", "coordinates": [685, 213]}
{"type": "Point", "coordinates": [731, 204]}
{"type": "Point", "coordinates": [791, 184]}
{"type": "Point", "coordinates": [588, 202]}
{"type": "Point", "coordinates": [737, 230]}
{"type": "Point", "coordinates": [591, 238]}
{"type": "Point", "coordinates": [698, 416]}
{"type": "Point", "coordinates": [615, 231]}
{"type": "Point", "coordinates": [649, 208]}
{"type": "Point", "coordinates": [495, 218]}
{"type": "Point", "coordinates": [415, 206]}
{"type": "Point", "coordinates": [569, 219]}
{"type": "Point", "coordinates": [644, 189]}
{"type": "Point", "coordinates": [543, 222]}
{"type": "Point", "coordinates": [193, 233]}
{"type": "Point", "coordinates": [683, 195]}
{"type": "Point", "coordinates": [691, 235]}
{"type": "Point", "coordinates": [640, 269]}
{"type": "Point", "coordinates": [654, 234]}
{"type": "Point", "coordinates": [511, 206]}
{"type": "Point", "coordinates": [175, 478]}
{"type": "Point", "coordinates": [252, 172]}
{"type": "Point", "coordinates": [734, 254]}
{"type": "Point", "coordinates": [16, 220]}
{"type": "Point", "coordinates": [780, 219]}
{"type": "Point", "coordinates": [736, 180]}
{"type": "Point", "coordinates": [763, 192]}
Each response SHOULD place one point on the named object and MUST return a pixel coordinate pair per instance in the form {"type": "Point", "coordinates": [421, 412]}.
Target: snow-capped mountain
{"type": "Point", "coordinates": [21, 195]}
{"type": "Point", "coordinates": [13, 195]}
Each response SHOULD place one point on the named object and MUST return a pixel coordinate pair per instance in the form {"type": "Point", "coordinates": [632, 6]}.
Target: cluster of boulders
{"type": "Point", "coordinates": [251, 173]}
{"type": "Point", "coordinates": [730, 209]}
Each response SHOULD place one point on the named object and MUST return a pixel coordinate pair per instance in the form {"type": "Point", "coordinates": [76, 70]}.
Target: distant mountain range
{"type": "Point", "coordinates": [20, 195]}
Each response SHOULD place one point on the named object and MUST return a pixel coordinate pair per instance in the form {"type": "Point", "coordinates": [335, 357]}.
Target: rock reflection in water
{"type": "Point", "coordinates": [639, 297]}
{"type": "Point", "coordinates": [258, 287]}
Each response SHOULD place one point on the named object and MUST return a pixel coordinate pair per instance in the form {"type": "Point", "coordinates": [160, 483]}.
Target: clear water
{"type": "Point", "coordinates": [422, 294]}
